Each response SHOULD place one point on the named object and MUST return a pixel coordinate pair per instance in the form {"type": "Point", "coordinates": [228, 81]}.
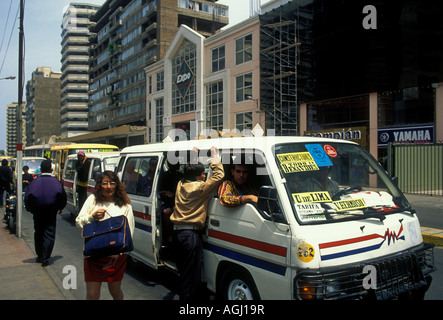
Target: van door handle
{"type": "Point", "coordinates": [214, 223]}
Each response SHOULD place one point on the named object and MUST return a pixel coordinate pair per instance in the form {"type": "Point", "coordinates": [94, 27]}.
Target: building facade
{"type": "Point", "coordinates": [11, 129]}
{"type": "Point", "coordinates": [126, 37]}
{"type": "Point", "coordinates": [75, 68]}
{"type": "Point", "coordinates": [375, 75]}
{"type": "Point", "coordinates": [205, 86]}
{"type": "Point", "coordinates": [42, 105]}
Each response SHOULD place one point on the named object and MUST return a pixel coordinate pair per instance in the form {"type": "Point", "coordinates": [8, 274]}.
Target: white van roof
{"type": "Point", "coordinates": [260, 143]}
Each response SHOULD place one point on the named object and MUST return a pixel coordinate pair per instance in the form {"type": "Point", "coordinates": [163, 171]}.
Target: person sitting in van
{"type": "Point", "coordinates": [131, 178]}
{"type": "Point", "coordinates": [148, 179]}
{"type": "Point", "coordinates": [238, 190]}
{"type": "Point", "coordinates": [319, 180]}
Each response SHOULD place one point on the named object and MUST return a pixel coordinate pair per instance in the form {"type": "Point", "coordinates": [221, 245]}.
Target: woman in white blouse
{"type": "Point", "coordinates": [109, 200]}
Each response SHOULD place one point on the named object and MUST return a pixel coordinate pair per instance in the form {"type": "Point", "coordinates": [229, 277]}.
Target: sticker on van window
{"type": "Point", "coordinates": [305, 252]}
{"type": "Point", "coordinates": [297, 162]}
{"type": "Point", "coordinates": [349, 204]}
{"type": "Point", "coordinates": [330, 151]}
{"type": "Point", "coordinates": [310, 211]}
{"type": "Point", "coordinates": [307, 197]}
{"type": "Point", "coordinates": [319, 155]}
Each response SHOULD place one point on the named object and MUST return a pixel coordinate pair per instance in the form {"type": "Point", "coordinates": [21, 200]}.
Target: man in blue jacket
{"type": "Point", "coordinates": [44, 198]}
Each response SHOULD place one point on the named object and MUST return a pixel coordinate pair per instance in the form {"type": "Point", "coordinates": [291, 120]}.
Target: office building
{"type": "Point", "coordinates": [75, 68]}
{"type": "Point", "coordinates": [11, 129]}
{"type": "Point", "coordinates": [126, 37]}
{"type": "Point", "coordinates": [42, 106]}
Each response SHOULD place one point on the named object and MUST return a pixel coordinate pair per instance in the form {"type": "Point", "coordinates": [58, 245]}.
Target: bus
{"type": "Point", "coordinates": [39, 150]}
{"type": "Point", "coordinates": [59, 153]}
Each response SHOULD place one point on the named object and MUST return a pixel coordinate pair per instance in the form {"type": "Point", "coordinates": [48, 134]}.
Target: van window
{"type": "Point", "coordinates": [331, 181]}
{"type": "Point", "coordinates": [110, 163]}
{"type": "Point", "coordinates": [138, 175]}
{"type": "Point", "coordinates": [96, 169]}
{"type": "Point", "coordinates": [69, 172]}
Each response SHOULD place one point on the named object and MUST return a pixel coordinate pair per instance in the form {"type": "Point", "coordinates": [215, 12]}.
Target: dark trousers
{"type": "Point", "coordinates": [44, 236]}
{"type": "Point", "coordinates": [189, 257]}
{"type": "Point", "coordinates": [82, 195]}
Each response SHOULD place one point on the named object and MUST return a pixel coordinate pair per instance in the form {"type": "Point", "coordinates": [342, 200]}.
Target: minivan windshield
{"type": "Point", "coordinates": [332, 181]}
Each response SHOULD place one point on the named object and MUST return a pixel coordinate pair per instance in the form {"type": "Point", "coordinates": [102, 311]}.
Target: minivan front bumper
{"type": "Point", "coordinates": [396, 275]}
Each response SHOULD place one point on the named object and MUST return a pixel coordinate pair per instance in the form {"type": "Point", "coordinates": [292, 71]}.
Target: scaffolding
{"type": "Point", "coordinates": [279, 60]}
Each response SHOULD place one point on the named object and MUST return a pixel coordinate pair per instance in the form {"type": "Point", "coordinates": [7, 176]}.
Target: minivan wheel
{"type": "Point", "coordinates": [238, 285]}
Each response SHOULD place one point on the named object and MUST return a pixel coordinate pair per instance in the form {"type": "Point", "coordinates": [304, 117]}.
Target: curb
{"type": "Point", "coordinates": [432, 235]}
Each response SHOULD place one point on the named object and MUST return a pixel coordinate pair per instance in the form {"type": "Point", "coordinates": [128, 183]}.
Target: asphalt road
{"type": "Point", "coordinates": [144, 283]}
{"type": "Point", "coordinates": [429, 210]}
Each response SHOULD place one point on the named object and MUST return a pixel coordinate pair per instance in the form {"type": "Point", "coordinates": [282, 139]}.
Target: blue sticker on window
{"type": "Point", "coordinates": [319, 155]}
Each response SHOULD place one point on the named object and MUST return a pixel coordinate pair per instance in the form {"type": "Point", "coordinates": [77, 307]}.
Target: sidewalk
{"type": "Point", "coordinates": [21, 277]}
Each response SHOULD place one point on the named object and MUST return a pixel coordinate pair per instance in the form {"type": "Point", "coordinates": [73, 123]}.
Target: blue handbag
{"type": "Point", "coordinates": [107, 237]}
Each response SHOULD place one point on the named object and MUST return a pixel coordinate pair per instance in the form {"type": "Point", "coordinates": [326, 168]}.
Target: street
{"type": "Point", "coordinates": [140, 282]}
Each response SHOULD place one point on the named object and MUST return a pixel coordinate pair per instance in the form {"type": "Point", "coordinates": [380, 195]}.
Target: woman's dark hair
{"type": "Point", "coordinates": [193, 170]}
{"type": "Point", "coordinates": [120, 196]}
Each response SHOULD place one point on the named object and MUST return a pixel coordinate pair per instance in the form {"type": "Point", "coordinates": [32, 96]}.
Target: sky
{"type": "Point", "coordinates": [42, 38]}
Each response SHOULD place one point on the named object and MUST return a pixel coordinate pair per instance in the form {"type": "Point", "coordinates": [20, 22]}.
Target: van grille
{"type": "Point", "coordinates": [395, 275]}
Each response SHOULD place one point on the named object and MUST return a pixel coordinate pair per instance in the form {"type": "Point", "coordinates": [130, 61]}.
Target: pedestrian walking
{"type": "Point", "coordinates": [191, 202]}
{"type": "Point", "coordinates": [108, 200]}
{"type": "Point", "coordinates": [27, 178]}
{"type": "Point", "coordinates": [45, 198]}
{"type": "Point", "coordinates": [5, 179]}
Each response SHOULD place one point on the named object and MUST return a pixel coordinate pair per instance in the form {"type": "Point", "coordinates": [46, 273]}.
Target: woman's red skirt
{"type": "Point", "coordinates": [94, 272]}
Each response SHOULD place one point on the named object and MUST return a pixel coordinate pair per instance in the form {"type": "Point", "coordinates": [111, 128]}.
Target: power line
{"type": "Point", "coordinates": [9, 42]}
{"type": "Point", "coordinates": [6, 25]}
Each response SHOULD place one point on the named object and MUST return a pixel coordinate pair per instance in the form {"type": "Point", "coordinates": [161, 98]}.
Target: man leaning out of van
{"type": "Point", "coordinates": [191, 202]}
{"type": "Point", "coordinates": [238, 190]}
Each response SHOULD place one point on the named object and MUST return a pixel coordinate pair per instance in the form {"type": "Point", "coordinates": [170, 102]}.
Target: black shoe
{"type": "Point", "coordinates": [38, 260]}
{"type": "Point", "coordinates": [45, 263]}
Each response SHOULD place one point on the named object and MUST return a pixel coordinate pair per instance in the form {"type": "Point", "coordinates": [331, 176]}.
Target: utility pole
{"type": "Point", "coordinates": [19, 207]}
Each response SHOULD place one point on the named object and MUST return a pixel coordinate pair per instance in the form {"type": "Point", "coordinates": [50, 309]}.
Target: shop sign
{"type": "Point", "coordinates": [417, 134]}
{"type": "Point", "coordinates": [184, 79]}
{"type": "Point", "coordinates": [356, 134]}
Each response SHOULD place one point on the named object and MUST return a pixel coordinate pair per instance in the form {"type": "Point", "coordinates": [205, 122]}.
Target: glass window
{"type": "Point", "coordinates": [69, 172]}
{"type": "Point", "coordinates": [96, 169]}
{"type": "Point", "coordinates": [214, 106]}
{"type": "Point", "coordinates": [159, 120]}
{"type": "Point", "coordinates": [243, 87]}
{"type": "Point", "coordinates": [160, 80]}
{"type": "Point", "coordinates": [138, 175]}
{"type": "Point", "coordinates": [186, 54]}
{"type": "Point", "coordinates": [218, 58]}
{"type": "Point", "coordinates": [329, 181]}
{"type": "Point", "coordinates": [243, 121]}
{"type": "Point", "coordinates": [243, 49]}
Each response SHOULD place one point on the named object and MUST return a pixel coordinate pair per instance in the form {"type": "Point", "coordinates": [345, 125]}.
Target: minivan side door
{"type": "Point", "coordinates": [140, 175]}
{"type": "Point", "coordinates": [69, 178]}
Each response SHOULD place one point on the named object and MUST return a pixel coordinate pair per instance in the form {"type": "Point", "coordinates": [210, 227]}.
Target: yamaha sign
{"type": "Point", "coordinates": [417, 134]}
{"type": "Point", "coordinates": [184, 79]}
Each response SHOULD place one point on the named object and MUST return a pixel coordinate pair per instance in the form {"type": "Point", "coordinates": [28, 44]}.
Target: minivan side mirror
{"type": "Point", "coordinates": [268, 203]}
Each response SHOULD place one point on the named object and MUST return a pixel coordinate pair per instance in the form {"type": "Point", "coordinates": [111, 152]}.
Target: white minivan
{"type": "Point", "coordinates": [329, 223]}
{"type": "Point", "coordinates": [97, 162]}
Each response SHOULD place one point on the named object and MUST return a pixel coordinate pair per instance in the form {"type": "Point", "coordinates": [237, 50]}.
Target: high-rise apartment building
{"type": "Point", "coordinates": [75, 68]}
{"type": "Point", "coordinates": [42, 105]}
{"type": "Point", "coordinates": [11, 129]}
{"type": "Point", "coordinates": [128, 36]}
